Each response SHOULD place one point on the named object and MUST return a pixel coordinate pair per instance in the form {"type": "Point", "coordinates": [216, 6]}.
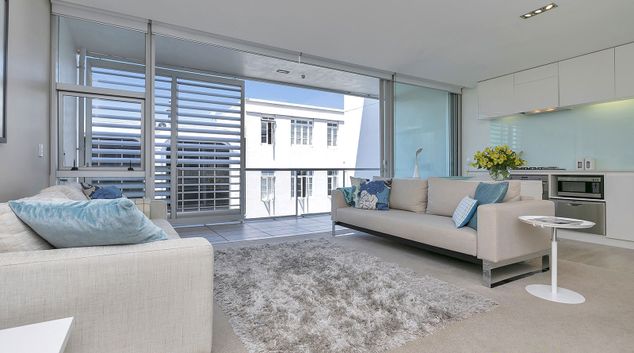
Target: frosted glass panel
{"type": "Point", "coordinates": [421, 120]}
{"type": "Point", "coordinates": [601, 131]}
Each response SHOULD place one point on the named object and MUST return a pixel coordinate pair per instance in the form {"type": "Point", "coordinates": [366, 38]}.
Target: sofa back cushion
{"type": "Point", "coordinates": [73, 191]}
{"type": "Point", "coordinates": [17, 236]}
{"type": "Point", "coordinates": [513, 192]}
{"type": "Point", "coordinates": [409, 195]}
{"type": "Point", "coordinates": [444, 195]}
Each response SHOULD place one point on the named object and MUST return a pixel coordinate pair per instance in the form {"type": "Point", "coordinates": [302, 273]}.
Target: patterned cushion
{"type": "Point", "coordinates": [356, 186]}
{"type": "Point", "coordinates": [374, 195]}
{"type": "Point", "coordinates": [488, 193]}
{"type": "Point", "coordinates": [464, 212]}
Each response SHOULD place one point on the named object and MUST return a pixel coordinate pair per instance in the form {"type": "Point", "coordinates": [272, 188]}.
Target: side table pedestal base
{"type": "Point", "coordinates": [563, 295]}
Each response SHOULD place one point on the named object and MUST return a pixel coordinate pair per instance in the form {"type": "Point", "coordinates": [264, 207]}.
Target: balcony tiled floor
{"type": "Point", "coordinates": [260, 229]}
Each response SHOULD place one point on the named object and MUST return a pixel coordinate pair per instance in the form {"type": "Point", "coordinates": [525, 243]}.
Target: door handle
{"type": "Point", "coordinates": [575, 204]}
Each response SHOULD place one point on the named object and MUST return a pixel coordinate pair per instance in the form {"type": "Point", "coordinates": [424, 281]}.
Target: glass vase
{"type": "Point", "coordinates": [499, 174]}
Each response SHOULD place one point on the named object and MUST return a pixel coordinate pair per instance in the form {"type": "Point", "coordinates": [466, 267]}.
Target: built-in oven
{"type": "Point", "coordinates": [579, 186]}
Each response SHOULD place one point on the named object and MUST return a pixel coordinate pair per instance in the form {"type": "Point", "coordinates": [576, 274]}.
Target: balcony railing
{"type": "Point", "coordinates": [279, 192]}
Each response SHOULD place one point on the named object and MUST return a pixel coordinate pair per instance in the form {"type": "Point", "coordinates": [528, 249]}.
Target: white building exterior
{"type": "Point", "coordinates": [285, 136]}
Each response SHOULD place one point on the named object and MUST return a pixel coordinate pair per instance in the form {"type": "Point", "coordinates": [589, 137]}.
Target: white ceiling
{"type": "Point", "coordinates": [172, 52]}
{"type": "Point", "coordinates": [452, 41]}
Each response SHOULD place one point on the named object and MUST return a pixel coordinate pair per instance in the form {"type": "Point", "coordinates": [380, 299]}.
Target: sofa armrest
{"type": "Point", "coordinates": [502, 236]}
{"type": "Point", "coordinates": [337, 201]}
{"type": "Point", "coordinates": [154, 297]}
{"type": "Point", "coordinates": [158, 209]}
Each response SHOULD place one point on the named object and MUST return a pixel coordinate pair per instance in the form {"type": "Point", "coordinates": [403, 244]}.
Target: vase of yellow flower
{"type": "Point", "coordinates": [498, 161]}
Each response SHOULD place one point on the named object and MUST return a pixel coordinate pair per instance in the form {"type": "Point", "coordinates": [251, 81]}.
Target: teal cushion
{"type": "Point", "coordinates": [348, 194]}
{"type": "Point", "coordinates": [67, 224]}
{"type": "Point", "coordinates": [488, 193]}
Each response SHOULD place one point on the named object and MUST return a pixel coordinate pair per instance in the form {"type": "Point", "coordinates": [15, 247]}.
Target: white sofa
{"type": "Point", "coordinates": [145, 298]}
{"type": "Point", "coordinates": [420, 212]}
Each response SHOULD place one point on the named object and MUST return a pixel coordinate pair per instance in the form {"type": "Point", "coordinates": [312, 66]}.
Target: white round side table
{"type": "Point", "coordinates": [552, 292]}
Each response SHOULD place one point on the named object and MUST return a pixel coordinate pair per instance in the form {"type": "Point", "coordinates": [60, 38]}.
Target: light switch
{"type": "Point", "coordinates": [40, 150]}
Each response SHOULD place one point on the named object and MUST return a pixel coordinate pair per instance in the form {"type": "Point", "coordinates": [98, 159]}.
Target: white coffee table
{"type": "Point", "coordinates": [43, 337]}
{"type": "Point", "coordinates": [552, 292]}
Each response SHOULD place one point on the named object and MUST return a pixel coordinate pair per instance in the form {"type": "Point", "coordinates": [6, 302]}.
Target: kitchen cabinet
{"type": "Point", "coordinates": [624, 70]}
{"type": "Point", "coordinates": [619, 198]}
{"type": "Point", "coordinates": [536, 88]}
{"type": "Point", "coordinates": [587, 78]}
{"type": "Point", "coordinates": [495, 97]}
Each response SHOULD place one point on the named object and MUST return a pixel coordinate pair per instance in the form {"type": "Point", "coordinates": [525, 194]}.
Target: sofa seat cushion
{"type": "Point", "coordinates": [167, 228]}
{"type": "Point", "coordinates": [409, 195]}
{"type": "Point", "coordinates": [438, 231]}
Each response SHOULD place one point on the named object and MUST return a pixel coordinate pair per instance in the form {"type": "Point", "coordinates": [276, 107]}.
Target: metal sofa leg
{"type": "Point", "coordinates": [486, 274]}
{"type": "Point", "coordinates": [545, 263]}
{"type": "Point", "coordinates": [333, 228]}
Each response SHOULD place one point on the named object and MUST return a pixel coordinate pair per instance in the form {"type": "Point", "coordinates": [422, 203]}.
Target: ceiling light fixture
{"type": "Point", "coordinates": [282, 71]}
{"type": "Point", "coordinates": [539, 10]}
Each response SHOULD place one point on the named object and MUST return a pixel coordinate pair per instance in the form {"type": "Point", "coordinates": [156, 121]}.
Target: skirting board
{"type": "Point", "coordinates": [595, 239]}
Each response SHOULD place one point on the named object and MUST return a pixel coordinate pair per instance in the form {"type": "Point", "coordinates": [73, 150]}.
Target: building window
{"type": "Point", "coordinates": [267, 130]}
{"type": "Point", "coordinates": [301, 132]}
{"type": "Point", "coordinates": [333, 180]}
{"type": "Point", "coordinates": [333, 129]}
{"type": "Point", "coordinates": [267, 186]}
{"type": "Point", "coordinates": [302, 185]}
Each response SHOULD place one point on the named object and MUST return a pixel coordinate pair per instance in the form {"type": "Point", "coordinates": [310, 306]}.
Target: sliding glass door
{"type": "Point", "coordinates": [422, 132]}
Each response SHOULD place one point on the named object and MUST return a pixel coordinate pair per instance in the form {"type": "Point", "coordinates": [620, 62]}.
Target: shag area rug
{"type": "Point", "coordinates": [316, 296]}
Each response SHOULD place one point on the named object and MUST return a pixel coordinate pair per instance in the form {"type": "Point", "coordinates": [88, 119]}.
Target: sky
{"type": "Point", "coordinates": [292, 94]}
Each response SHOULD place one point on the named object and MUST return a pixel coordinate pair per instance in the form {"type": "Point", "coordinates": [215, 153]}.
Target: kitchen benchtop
{"type": "Point", "coordinates": [559, 172]}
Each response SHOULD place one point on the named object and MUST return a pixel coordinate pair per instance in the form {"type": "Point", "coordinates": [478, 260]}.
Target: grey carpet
{"type": "Point", "coordinates": [315, 296]}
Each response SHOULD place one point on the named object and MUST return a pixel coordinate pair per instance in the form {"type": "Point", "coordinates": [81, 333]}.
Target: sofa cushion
{"type": "Point", "coordinates": [513, 192]}
{"type": "Point", "coordinates": [487, 193]}
{"type": "Point", "coordinates": [444, 195]}
{"type": "Point", "coordinates": [72, 190]}
{"type": "Point", "coordinates": [409, 195]}
{"type": "Point", "coordinates": [67, 224]}
{"type": "Point", "coordinates": [438, 231]}
{"type": "Point", "coordinates": [17, 236]}
{"type": "Point", "coordinates": [374, 195]}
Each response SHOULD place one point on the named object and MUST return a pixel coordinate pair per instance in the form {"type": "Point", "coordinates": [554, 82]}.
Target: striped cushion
{"type": "Point", "coordinates": [465, 210]}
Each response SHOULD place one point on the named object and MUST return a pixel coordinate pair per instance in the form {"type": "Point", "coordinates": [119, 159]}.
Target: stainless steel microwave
{"type": "Point", "coordinates": [580, 186]}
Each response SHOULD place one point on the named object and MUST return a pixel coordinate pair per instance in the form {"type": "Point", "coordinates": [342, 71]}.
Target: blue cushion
{"type": "Point", "coordinates": [464, 212]}
{"type": "Point", "coordinates": [67, 224]}
{"type": "Point", "coordinates": [374, 195]}
{"type": "Point", "coordinates": [107, 192]}
{"type": "Point", "coordinates": [488, 193]}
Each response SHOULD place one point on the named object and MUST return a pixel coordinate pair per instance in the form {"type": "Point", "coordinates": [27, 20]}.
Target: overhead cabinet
{"type": "Point", "coordinates": [495, 97]}
{"type": "Point", "coordinates": [624, 69]}
{"type": "Point", "coordinates": [587, 79]}
{"type": "Point", "coordinates": [523, 91]}
{"type": "Point", "coordinates": [536, 89]}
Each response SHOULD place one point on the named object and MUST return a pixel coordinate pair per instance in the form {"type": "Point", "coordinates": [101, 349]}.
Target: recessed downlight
{"type": "Point", "coordinates": [282, 71]}
{"type": "Point", "coordinates": [539, 11]}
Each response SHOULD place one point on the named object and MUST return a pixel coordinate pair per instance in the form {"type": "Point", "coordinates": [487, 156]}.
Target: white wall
{"type": "Point", "coordinates": [475, 133]}
{"type": "Point", "coordinates": [22, 172]}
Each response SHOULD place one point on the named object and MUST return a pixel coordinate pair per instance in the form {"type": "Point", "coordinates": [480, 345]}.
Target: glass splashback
{"type": "Point", "coordinates": [603, 132]}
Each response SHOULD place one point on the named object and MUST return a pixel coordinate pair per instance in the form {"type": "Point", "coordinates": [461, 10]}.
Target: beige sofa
{"type": "Point", "coordinates": [150, 298]}
{"type": "Point", "coordinates": [420, 212]}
